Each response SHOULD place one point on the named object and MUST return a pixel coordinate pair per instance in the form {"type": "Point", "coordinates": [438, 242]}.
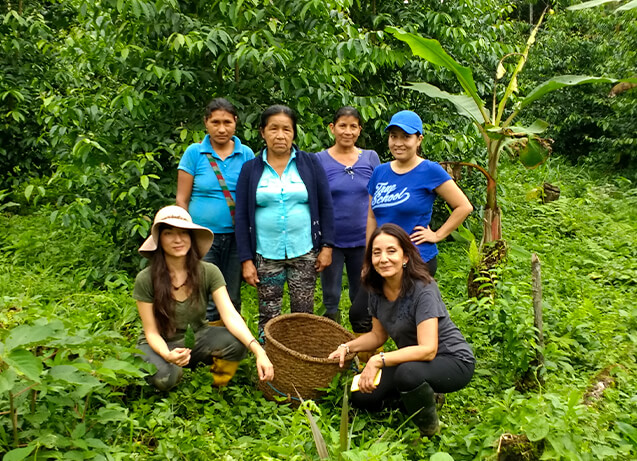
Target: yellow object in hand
{"type": "Point", "coordinates": [358, 377]}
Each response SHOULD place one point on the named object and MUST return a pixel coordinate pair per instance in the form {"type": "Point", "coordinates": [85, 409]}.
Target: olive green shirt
{"type": "Point", "coordinates": [190, 311]}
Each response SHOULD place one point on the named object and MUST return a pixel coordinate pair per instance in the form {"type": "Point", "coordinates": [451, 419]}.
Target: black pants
{"type": "Point", "coordinates": [444, 373]}
{"type": "Point", "coordinates": [359, 313]}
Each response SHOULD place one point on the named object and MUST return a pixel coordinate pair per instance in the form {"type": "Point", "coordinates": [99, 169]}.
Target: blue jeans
{"type": "Point", "coordinates": [223, 254]}
{"type": "Point", "coordinates": [332, 276]}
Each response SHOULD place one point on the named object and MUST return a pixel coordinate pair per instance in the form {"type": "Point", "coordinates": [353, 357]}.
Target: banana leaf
{"type": "Point", "coordinates": [465, 105]}
{"type": "Point", "coordinates": [556, 83]}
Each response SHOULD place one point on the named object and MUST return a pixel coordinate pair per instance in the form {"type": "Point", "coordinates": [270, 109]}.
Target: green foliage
{"type": "Point", "coordinates": [189, 338]}
{"type": "Point", "coordinates": [589, 125]}
{"type": "Point", "coordinates": [68, 365]}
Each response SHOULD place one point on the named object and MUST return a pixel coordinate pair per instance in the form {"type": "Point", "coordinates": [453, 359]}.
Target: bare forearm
{"type": "Point", "coordinates": [408, 354]}
{"type": "Point", "coordinates": [367, 342]}
{"type": "Point", "coordinates": [158, 344]}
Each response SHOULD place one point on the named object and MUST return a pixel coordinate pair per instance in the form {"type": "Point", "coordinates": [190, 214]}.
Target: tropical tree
{"type": "Point", "coordinates": [495, 123]}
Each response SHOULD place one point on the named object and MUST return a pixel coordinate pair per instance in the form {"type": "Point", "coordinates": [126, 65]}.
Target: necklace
{"type": "Point", "coordinates": [180, 286]}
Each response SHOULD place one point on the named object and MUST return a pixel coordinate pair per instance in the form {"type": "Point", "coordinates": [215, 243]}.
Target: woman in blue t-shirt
{"type": "Point", "coordinates": [348, 170]}
{"type": "Point", "coordinates": [403, 192]}
{"type": "Point", "coordinates": [406, 305]}
{"type": "Point", "coordinates": [209, 195]}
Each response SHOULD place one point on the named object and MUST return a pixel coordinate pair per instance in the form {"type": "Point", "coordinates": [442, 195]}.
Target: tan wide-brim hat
{"type": "Point", "coordinates": [176, 216]}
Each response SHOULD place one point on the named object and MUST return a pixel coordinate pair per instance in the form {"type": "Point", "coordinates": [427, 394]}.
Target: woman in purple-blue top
{"type": "Point", "coordinates": [348, 171]}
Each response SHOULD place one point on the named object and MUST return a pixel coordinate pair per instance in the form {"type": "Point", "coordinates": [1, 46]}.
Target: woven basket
{"type": "Point", "coordinates": [298, 346]}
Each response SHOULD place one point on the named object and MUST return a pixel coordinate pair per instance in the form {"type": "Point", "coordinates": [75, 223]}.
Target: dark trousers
{"type": "Point", "coordinates": [332, 276]}
{"type": "Point", "coordinates": [210, 342]}
{"type": "Point", "coordinates": [444, 374]}
{"type": "Point", "coordinates": [223, 254]}
{"type": "Point", "coordinates": [359, 315]}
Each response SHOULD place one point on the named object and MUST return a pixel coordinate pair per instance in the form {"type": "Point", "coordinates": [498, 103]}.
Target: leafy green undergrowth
{"type": "Point", "coordinates": [71, 387]}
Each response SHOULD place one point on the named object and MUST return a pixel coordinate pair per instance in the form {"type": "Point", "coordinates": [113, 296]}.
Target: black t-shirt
{"type": "Point", "coordinates": [400, 319]}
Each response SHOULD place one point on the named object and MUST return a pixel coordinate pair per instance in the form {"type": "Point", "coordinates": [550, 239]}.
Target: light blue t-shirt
{"type": "Point", "coordinates": [407, 199]}
{"type": "Point", "coordinates": [282, 215]}
{"type": "Point", "coordinates": [208, 206]}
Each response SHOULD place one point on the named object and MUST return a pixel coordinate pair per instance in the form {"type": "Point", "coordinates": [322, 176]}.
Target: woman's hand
{"type": "Point", "coordinates": [180, 356]}
{"type": "Point", "coordinates": [423, 234]}
{"type": "Point", "coordinates": [340, 354]}
{"type": "Point", "coordinates": [323, 259]}
{"type": "Point", "coordinates": [366, 384]}
{"type": "Point", "coordinates": [249, 272]}
{"type": "Point", "coordinates": [264, 367]}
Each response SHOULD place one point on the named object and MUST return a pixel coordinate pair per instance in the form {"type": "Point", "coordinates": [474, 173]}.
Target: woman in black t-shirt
{"type": "Point", "coordinates": [406, 305]}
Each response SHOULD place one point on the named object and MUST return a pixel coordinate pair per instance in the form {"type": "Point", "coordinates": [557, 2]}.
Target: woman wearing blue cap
{"type": "Point", "coordinates": [403, 192]}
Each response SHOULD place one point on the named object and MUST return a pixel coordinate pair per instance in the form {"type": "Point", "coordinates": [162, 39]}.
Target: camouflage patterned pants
{"type": "Point", "coordinates": [301, 277]}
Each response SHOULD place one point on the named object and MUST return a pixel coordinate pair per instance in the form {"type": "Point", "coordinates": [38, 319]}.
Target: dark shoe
{"type": "Point", "coordinates": [336, 316]}
{"type": "Point", "coordinates": [421, 403]}
{"type": "Point", "coordinates": [440, 400]}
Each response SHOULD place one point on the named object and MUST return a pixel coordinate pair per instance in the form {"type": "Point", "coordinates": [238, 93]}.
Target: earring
{"type": "Point", "coordinates": [404, 265]}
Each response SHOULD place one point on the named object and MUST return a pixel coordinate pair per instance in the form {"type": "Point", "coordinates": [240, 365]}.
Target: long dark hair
{"type": "Point", "coordinates": [163, 301]}
{"type": "Point", "coordinates": [276, 110]}
{"type": "Point", "coordinates": [415, 269]}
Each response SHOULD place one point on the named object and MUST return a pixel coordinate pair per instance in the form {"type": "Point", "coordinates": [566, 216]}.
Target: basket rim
{"type": "Point", "coordinates": [292, 352]}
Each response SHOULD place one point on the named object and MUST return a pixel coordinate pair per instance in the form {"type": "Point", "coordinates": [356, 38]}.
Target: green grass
{"type": "Point", "coordinates": [587, 242]}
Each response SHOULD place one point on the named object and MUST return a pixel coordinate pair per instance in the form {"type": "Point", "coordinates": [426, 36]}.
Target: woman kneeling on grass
{"type": "Point", "coordinates": [172, 294]}
{"type": "Point", "coordinates": [406, 305]}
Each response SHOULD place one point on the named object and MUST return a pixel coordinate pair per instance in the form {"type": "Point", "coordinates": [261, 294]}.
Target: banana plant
{"type": "Point", "coordinates": [495, 123]}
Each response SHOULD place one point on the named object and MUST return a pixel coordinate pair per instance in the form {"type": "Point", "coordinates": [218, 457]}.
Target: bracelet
{"type": "Point", "coordinates": [344, 346]}
{"type": "Point", "coordinates": [382, 357]}
{"type": "Point", "coordinates": [250, 343]}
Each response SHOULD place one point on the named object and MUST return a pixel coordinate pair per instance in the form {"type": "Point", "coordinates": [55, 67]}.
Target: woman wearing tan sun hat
{"type": "Point", "coordinates": [173, 292]}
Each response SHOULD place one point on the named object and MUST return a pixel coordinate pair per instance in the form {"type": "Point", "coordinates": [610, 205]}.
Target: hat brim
{"type": "Point", "coordinates": [407, 129]}
{"type": "Point", "coordinates": [203, 236]}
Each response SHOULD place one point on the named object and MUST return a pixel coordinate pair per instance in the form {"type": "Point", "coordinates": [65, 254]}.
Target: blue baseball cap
{"type": "Point", "coordinates": [407, 121]}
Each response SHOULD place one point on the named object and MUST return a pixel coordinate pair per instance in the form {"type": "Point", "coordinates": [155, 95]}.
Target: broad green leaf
{"type": "Point", "coordinates": [566, 80]}
{"type": "Point", "coordinates": [590, 4]}
{"type": "Point", "coordinates": [628, 430]}
{"type": "Point", "coordinates": [25, 363]}
{"type": "Point", "coordinates": [537, 127]}
{"type": "Point", "coordinates": [18, 454]}
{"type": "Point", "coordinates": [111, 413]}
{"type": "Point", "coordinates": [7, 380]}
{"type": "Point", "coordinates": [144, 181]}
{"type": "Point", "coordinates": [538, 429]}
{"type": "Point", "coordinates": [465, 105]}
{"type": "Point", "coordinates": [440, 456]}
{"type": "Point", "coordinates": [71, 375]}
{"type": "Point", "coordinates": [28, 334]}
{"type": "Point", "coordinates": [432, 51]}
{"type": "Point", "coordinates": [122, 367]}
{"type": "Point", "coordinates": [28, 191]}
{"type": "Point", "coordinates": [533, 154]}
